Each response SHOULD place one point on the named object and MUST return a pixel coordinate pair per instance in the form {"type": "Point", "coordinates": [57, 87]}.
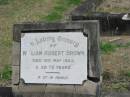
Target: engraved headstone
{"type": "Point", "coordinates": [54, 58]}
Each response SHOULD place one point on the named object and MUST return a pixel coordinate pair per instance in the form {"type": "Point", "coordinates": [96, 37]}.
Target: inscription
{"type": "Point", "coordinates": [54, 58]}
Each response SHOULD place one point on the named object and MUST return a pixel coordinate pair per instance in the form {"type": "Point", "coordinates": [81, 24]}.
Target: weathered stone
{"type": "Point", "coordinates": [89, 88]}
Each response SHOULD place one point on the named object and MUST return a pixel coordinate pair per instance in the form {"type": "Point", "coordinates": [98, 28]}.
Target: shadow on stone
{"type": "Point", "coordinates": [6, 92]}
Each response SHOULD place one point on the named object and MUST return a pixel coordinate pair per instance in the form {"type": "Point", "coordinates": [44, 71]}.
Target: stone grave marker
{"type": "Point", "coordinates": [56, 59]}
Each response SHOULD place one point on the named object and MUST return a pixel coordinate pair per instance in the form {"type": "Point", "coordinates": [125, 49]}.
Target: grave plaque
{"type": "Point", "coordinates": [54, 58]}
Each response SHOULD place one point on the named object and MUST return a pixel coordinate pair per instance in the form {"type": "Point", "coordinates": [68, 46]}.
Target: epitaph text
{"type": "Point", "coordinates": [53, 58]}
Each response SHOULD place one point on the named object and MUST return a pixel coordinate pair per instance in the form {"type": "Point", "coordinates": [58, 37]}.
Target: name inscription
{"type": "Point", "coordinates": [54, 58]}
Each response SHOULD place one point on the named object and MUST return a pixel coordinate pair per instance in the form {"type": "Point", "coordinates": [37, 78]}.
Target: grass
{"type": "Point", "coordinates": [116, 71]}
{"type": "Point", "coordinates": [127, 45]}
{"type": "Point", "coordinates": [107, 47]}
{"type": "Point", "coordinates": [18, 11]}
{"type": "Point", "coordinates": [4, 2]}
{"type": "Point", "coordinates": [53, 16]}
{"type": "Point", "coordinates": [114, 7]}
{"type": "Point", "coordinates": [128, 73]}
{"type": "Point", "coordinates": [125, 73]}
{"type": "Point", "coordinates": [107, 75]}
{"type": "Point", "coordinates": [6, 73]}
{"type": "Point", "coordinates": [118, 87]}
{"type": "Point", "coordinates": [75, 2]}
{"type": "Point", "coordinates": [58, 11]}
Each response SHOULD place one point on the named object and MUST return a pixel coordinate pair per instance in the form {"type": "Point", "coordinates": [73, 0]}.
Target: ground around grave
{"type": "Point", "coordinates": [18, 11]}
{"type": "Point", "coordinates": [114, 6]}
{"type": "Point", "coordinates": [115, 62]}
{"type": "Point", "coordinates": [116, 94]}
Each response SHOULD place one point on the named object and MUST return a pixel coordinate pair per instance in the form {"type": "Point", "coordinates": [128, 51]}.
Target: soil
{"type": "Point", "coordinates": [116, 65]}
{"type": "Point", "coordinates": [119, 60]}
{"type": "Point", "coordinates": [114, 6]}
